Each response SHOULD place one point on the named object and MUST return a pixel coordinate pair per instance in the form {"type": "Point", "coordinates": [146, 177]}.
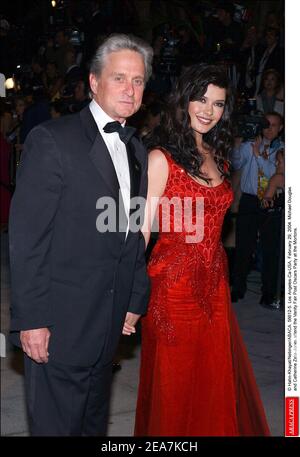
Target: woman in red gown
{"type": "Point", "coordinates": [195, 377]}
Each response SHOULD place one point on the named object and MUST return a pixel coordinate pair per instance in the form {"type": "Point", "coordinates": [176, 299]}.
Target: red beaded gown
{"type": "Point", "coordinates": [195, 378]}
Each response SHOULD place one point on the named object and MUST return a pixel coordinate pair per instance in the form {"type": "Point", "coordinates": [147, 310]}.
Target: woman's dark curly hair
{"type": "Point", "coordinates": [175, 133]}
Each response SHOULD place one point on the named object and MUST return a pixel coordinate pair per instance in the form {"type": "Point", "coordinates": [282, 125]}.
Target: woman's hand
{"type": "Point", "coordinates": [238, 141]}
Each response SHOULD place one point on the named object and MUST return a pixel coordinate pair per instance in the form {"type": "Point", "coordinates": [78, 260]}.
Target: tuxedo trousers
{"type": "Point", "coordinates": [248, 224]}
{"type": "Point", "coordinates": [66, 400]}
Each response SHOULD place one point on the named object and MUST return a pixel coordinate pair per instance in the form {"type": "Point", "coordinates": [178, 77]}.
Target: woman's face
{"type": "Point", "coordinates": [270, 81]}
{"type": "Point", "coordinates": [207, 112]}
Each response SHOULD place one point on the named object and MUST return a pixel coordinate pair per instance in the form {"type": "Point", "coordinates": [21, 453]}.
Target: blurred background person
{"type": "Point", "coordinates": [59, 49]}
{"type": "Point", "coordinates": [52, 80]}
{"type": "Point", "coordinates": [58, 109]}
{"type": "Point", "coordinates": [36, 113]}
{"type": "Point", "coordinates": [270, 98]}
{"type": "Point", "coordinates": [269, 55]}
{"type": "Point", "coordinates": [229, 33]}
{"type": "Point", "coordinates": [80, 96]}
{"type": "Point", "coordinates": [5, 157]}
{"type": "Point", "coordinates": [256, 160]}
{"type": "Point", "coordinates": [248, 52]}
{"type": "Point", "coordinates": [152, 118]}
{"type": "Point", "coordinates": [13, 136]}
{"type": "Point", "coordinates": [272, 235]}
{"type": "Point", "coordinates": [73, 72]}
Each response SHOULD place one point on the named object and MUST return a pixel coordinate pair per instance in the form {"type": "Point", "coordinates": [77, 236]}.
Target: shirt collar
{"type": "Point", "coordinates": [100, 116]}
{"type": "Point", "coordinates": [273, 146]}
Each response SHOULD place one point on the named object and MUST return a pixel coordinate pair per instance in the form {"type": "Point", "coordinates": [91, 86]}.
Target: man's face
{"type": "Point", "coordinates": [60, 38]}
{"type": "Point", "coordinates": [120, 86]}
{"type": "Point", "coordinates": [274, 128]}
{"type": "Point", "coordinates": [271, 38]}
{"type": "Point", "coordinates": [222, 15]}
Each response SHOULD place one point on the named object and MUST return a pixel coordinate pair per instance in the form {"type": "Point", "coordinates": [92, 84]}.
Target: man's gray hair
{"type": "Point", "coordinates": [118, 42]}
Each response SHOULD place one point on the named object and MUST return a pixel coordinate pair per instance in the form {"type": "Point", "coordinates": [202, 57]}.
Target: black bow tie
{"type": "Point", "coordinates": [125, 133]}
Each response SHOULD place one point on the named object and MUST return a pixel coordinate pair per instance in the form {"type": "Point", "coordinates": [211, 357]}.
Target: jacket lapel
{"type": "Point", "coordinates": [98, 152]}
{"type": "Point", "coordinates": [134, 169]}
{"type": "Point", "coordinates": [135, 161]}
{"type": "Point", "coordinates": [101, 159]}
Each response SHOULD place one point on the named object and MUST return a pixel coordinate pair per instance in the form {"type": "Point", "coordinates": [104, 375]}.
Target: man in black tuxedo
{"type": "Point", "coordinates": [78, 282]}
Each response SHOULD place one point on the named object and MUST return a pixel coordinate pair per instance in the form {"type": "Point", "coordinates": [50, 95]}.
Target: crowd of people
{"type": "Point", "coordinates": [185, 122]}
{"type": "Point", "coordinates": [55, 84]}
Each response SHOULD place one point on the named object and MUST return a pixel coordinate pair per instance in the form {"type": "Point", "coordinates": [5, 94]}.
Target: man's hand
{"type": "Point", "coordinates": [129, 324]}
{"type": "Point", "coordinates": [256, 145]}
{"type": "Point", "coordinates": [35, 344]}
{"type": "Point", "coordinates": [238, 141]}
{"type": "Point", "coordinates": [267, 202]}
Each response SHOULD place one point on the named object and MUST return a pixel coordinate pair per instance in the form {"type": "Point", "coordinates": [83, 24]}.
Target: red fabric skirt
{"type": "Point", "coordinates": [196, 378]}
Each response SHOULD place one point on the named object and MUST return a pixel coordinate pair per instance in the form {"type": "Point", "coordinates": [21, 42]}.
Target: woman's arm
{"type": "Point", "coordinates": [158, 171]}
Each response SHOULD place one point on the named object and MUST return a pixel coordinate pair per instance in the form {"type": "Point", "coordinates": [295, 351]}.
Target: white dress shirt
{"type": "Point", "coordinates": [118, 153]}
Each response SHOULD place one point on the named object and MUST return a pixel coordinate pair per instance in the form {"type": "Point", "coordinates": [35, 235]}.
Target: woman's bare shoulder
{"type": "Point", "coordinates": [158, 167]}
{"type": "Point", "coordinates": [158, 160]}
{"type": "Point", "coordinates": [157, 156]}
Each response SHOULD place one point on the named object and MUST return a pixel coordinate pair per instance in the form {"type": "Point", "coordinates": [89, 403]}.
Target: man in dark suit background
{"type": "Point", "coordinates": [75, 285]}
{"type": "Point", "coordinates": [269, 56]}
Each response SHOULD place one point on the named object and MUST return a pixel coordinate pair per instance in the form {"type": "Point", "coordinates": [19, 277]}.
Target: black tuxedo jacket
{"type": "Point", "coordinates": [65, 274]}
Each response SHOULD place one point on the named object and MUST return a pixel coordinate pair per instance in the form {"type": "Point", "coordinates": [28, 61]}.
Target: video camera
{"type": "Point", "coordinates": [248, 123]}
{"type": "Point", "coordinates": [240, 13]}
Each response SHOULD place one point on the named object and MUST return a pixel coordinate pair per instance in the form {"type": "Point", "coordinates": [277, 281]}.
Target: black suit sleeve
{"type": "Point", "coordinates": [141, 289]}
{"type": "Point", "coordinates": [33, 210]}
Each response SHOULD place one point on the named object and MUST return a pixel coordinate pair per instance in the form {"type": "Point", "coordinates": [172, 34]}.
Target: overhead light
{"type": "Point", "coordinates": [9, 83]}
{"type": "Point", "coordinates": [53, 3]}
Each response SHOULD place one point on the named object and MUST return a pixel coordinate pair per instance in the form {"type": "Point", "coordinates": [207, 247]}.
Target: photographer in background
{"type": "Point", "coordinates": [273, 236]}
{"type": "Point", "coordinates": [256, 160]}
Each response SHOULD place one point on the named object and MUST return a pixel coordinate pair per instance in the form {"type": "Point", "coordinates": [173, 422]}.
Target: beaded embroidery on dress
{"type": "Point", "coordinates": [195, 377]}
